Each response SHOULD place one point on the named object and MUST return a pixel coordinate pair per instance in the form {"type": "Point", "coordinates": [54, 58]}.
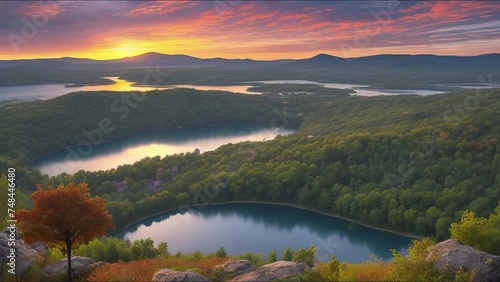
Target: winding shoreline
{"type": "Point", "coordinates": [164, 130]}
{"type": "Point", "coordinates": [407, 235]}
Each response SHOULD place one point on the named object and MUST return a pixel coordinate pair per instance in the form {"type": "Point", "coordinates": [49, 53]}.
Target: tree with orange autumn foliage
{"type": "Point", "coordinates": [64, 215]}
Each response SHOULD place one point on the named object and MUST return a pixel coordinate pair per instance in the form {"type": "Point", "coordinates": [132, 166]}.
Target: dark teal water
{"type": "Point", "coordinates": [260, 228]}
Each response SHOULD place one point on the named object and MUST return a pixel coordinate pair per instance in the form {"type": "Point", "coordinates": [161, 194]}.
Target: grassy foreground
{"type": "Point", "coordinates": [144, 270]}
{"type": "Point", "coordinates": [411, 267]}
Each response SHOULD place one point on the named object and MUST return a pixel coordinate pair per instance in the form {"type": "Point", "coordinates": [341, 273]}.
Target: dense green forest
{"type": "Point", "coordinates": [299, 89]}
{"type": "Point", "coordinates": [32, 129]}
{"type": "Point", "coordinates": [408, 163]}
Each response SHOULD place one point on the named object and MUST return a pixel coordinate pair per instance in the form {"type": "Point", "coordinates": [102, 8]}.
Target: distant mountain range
{"type": "Point", "coordinates": [384, 70]}
{"type": "Point", "coordinates": [153, 59]}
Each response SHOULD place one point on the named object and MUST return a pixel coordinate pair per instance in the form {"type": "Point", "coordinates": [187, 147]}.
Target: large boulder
{"type": "Point", "coordinates": [41, 247]}
{"type": "Point", "coordinates": [24, 254]}
{"type": "Point", "coordinates": [274, 271]}
{"type": "Point", "coordinates": [79, 265]}
{"type": "Point", "coordinates": [236, 267]}
{"type": "Point", "coordinates": [177, 276]}
{"type": "Point", "coordinates": [451, 254]}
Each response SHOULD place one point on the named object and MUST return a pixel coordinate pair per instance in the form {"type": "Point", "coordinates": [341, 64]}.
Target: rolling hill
{"type": "Point", "coordinates": [384, 71]}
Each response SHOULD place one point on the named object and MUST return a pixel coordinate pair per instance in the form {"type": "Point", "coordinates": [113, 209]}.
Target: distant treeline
{"type": "Point", "coordinates": [299, 89]}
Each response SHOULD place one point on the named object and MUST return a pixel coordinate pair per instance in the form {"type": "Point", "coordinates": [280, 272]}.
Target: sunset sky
{"type": "Point", "coordinates": [247, 29]}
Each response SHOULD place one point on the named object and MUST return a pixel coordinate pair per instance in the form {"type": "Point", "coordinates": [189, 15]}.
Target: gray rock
{"type": "Point", "coordinates": [24, 254]}
{"type": "Point", "coordinates": [41, 248]}
{"type": "Point", "coordinates": [79, 265]}
{"type": "Point", "coordinates": [237, 267]}
{"type": "Point", "coordinates": [452, 254]}
{"type": "Point", "coordinates": [177, 276]}
{"type": "Point", "coordinates": [274, 271]}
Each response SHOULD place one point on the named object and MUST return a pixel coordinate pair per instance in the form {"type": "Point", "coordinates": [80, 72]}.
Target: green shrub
{"type": "Point", "coordinates": [163, 249]}
{"type": "Point", "coordinates": [272, 257]}
{"type": "Point", "coordinates": [54, 255]}
{"type": "Point", "coordinates": [287, 254]}
{"type": "Point", "coordinates": [196, 255]}
{"type": "Point", "coordinates": [221, 253]}
{"type": "Point", "coordinates": [464, 276]}
{"type": "Point", "coordinates": [112, 249]}
{"type": "Point", "coordinates": [307, 256]}
{"type": "Point", "coordinates": [256, 259]}
{"type": "Point", "coordinates": [334, 266]}
{"type": "Point", "coordinates": [478, 232]}
{"type": "Point", "coordinates": [414, 266]}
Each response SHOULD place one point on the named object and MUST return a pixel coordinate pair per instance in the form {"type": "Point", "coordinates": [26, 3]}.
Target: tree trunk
{"type": "Point", "coordinates": [68, 247]}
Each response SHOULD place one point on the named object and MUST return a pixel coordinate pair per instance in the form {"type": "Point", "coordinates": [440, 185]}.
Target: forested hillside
{"type": "Point", "coordinates": [408, 163]}
{"type": "Point", "coordinates": [32, 129]}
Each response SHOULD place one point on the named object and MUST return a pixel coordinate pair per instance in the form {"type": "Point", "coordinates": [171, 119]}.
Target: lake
{"type": "Point", "coordinates": [242, 89]}
{"type": "Point", "coordinates": [130, 149]}
{"type": "Point", "coordinates": [49, 91]}
{"type": "Point", "coordinates": [9, 94]}
{"type": "Point", "coordinates": [361, 90]}
{"type": "Point", "coordinates": [260, 228]}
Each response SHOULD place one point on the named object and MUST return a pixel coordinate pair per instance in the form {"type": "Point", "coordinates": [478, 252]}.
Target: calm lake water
{"type": "Point", "coordinates": [361, 90]}
{"type": "Point", "coordinates": [261, 228]}
{"type": "Point", "coordinates": [231, 88]}
{"type": "Point", "coordinates": [128, 150]}
{"type": "Point", "coordinates": [49, 91]}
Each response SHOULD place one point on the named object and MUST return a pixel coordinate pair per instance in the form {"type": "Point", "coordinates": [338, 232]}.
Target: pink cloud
{"type": "Point", "coordinates": [37, 9]}
{"type": "Point", "coordinates": [294, 17]}
{"type": "Point", "coordinates": [256, 18]}
{"type": "Point", "coordinates": [161, 7]}
{"type": "Point", "coordinates": [445, 11]}
{"type": "Point", "coordinates": [260, 27]}
{"type": "Point", "coordinates": [238, 11]}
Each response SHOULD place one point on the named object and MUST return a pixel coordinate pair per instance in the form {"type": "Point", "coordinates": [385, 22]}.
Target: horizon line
{"type": "Point", "coordinates": [265, 60]}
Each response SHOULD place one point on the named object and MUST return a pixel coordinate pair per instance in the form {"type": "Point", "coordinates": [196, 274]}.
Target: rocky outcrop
{"type": "Point", "coordinates": [241, 270]}
{"type": "Point", "coordinates": [41, 248]}
{"type": "Point", "coordinates": [450, 255]}
{"type": "Point", "coordinates": [236, 267]}
{"type": "Point", "coordinates": [274, 271]}
{"type": "Point", "coordinates": [24, 253]}
{"type": "Point", "coordinates": [177, 276]}
{"type": "Point", "coordinates": [79, 265]}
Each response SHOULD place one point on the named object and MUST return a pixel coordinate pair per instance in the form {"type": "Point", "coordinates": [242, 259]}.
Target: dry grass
{"type": "Point", "coordinates": [370, 271]}
{"type": "Point", "coordinates": [367, 271]}
{"type": "Point", "coordinates": [143, 270]}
